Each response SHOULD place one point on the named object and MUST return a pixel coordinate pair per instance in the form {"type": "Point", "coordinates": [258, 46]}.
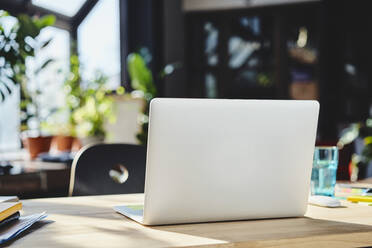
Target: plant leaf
{"type": "Point", "coordinates": [47, 20]}
{"type": "Point", "coordinates": [2, 99]}
{"type": "Point", "coordinates": [140, 74]}
{"type": "Point", "coordinates": [27, 28]}
{"type": "Point", "coordinates": [46, 43]}
{"type": "Point", "coordinates": [45, 64]}
{"type": "Point", "coordinates": [3, 13]}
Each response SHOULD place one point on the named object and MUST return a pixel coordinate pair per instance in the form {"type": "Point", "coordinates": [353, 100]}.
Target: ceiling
{"type": "Point", "coordinates": [69, 13]}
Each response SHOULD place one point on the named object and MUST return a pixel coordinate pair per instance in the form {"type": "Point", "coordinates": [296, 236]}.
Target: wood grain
{"type": "Point", "coordinates": [91, 222]}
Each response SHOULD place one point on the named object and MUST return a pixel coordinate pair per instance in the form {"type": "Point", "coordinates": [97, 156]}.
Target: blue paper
{"type": "Point", "coordinates": [23, 223]}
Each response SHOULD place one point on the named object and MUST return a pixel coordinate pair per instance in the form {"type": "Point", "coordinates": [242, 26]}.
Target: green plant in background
{"type": "Point", "coordinates": [142, 80]}
{"type": "Point", "coordinates": [361, 130]}
{"type": "Point", "coordinates": [89, 105]}
{"type": "Point", "coordinates": [95, 108]}
{"type": "Point", "coordinates": [141, 75]}
{"type": "Point", "coordinates": [265, 79]}
{"type": "Point", "coordinates": [18, 41]}
{"type": "Point", "coordinates": [62, 122]}
{"type": "Point", "coordinates": [74, 94]}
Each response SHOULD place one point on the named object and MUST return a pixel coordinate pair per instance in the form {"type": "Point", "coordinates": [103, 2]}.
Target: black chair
{"type": "Point", "coordinates": [108, 169]}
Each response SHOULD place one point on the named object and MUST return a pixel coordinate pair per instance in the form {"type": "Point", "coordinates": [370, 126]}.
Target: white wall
{"type": "Point", "coordinates": [126, 127]}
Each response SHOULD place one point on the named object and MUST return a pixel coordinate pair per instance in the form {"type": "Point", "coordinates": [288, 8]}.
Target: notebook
{"type": "Point", "coordinates": [9, 208]}
{"type": "Point", "coordinates": [15, 228]}
{"type": "Point", "coordinates": [8, 199]}
{"type": "Point", "coordinates": [10, 219]}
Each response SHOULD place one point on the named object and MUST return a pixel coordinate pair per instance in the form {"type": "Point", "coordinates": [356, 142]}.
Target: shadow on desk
{"type": "Point", "coordinates": [92, 221]}
{"type": "Point", "coordinates": [305, 230]}
{"type": "Point", "coordinates": [256, 233]}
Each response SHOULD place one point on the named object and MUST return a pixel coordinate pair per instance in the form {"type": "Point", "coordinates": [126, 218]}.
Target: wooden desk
{"type": "Point", "coordinates": [91, 222]}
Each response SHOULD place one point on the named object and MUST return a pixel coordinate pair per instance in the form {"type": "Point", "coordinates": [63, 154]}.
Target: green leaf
{"type": "Point", "coordinates": [140, 74]}
{"type": "Point", "coordinates": [368, 140]}
{"type": "Point", "coordinates": [7, 87]}
{"type": "Point", "coordinates": [45, 64]}
{"type": "Point", "coordinates": [3, 13]}
{"type": "Point", "coordinates": [2, 98]}
{"type": "Point", "coordinates": [27, 27]}
{"type": "Point", "coordinates": [367, 152]}
{"type": "Point", "coordinates": [46, 43]}
{"type": "Point", "coordinates": [45, 21]}
{"type": "Point", "coordinates": [349, 134]}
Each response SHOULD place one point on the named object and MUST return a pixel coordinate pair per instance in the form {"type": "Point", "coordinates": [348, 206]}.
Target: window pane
{"type": "Point", "coordinates": [49, 81]}
{"type": "Point", "coordinates": [9, 109]}
{"type": "Point", "coordinates": [99, 42]}
{"type": "Point", "coordinates": [210, 86]}
{"type": "Point", "coordinates": [250, 57]}
{"type": "Point", "coordinates": [65, 7]}
{"type": "Point", "coordinates": [9, 122]}
{"type": "Point", "coordinates": [211, 43]}
{"type": "Point", "coordinates": [302, 48]}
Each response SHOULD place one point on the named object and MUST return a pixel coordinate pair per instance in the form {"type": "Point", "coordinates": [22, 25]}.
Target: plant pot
{"type": "Point", "coordinates": [76, 145]}
{"type": "Point", "coordinates": [63, 143]}
{"type": "Point", "coordinates": [91, 140]}
{"type": "Point", "coordinates": [37, 145]}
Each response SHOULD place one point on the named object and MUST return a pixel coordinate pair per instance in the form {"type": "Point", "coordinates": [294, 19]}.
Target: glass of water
{"type": "Point", "coordinates": [323, 176]}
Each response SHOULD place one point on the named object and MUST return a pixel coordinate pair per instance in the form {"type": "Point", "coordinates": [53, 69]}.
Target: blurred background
{"type": "Point", "coordinates": [75, 72]}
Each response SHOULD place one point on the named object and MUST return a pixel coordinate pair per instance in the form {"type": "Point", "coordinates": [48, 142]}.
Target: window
{"type": "Point", "coordinates": [9, 109]}
{"type": "Point", "coordinates": [231, 55]}
{"type": "Point", "coordinates": [99, 42]}
{"type": "Point", "coordinates": [9, 122]}
{"type": "Point", "coordinates": [49, 81]}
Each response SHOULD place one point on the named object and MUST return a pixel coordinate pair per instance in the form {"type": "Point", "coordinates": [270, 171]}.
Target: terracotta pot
{"type": "Point", "coordinates": [37, 145]}
{"type": "Point", "coordinates": [76, 145]}
{"type": "Point", "coordinates": [63, 143]}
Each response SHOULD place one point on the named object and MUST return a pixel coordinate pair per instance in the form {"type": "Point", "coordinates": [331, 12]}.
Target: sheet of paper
{"type": "Point", "coordinates": [20, 225]}
{"type": "Point", "coordinates": [9, 199]}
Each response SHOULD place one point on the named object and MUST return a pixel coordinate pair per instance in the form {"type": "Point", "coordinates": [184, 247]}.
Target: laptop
{"type": "Point", "coordinates": [223, 160]}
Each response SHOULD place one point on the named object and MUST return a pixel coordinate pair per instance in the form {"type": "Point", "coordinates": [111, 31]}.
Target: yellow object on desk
{"type": "Point", "coordinates": [358, 198]}
{"type": "Point", "coordinates": [9, 208]}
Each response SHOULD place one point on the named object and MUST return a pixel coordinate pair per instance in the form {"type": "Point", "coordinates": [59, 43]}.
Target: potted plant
{"type": "Point", "coordinates": [94, 109]}
{"type": "Point", "coordinates": [63, 133]}
{"type": "Point", "coordinates": [361, 135]}
{"type": "Point", "coordinates": [35, 139]}
{"type": "Point", "coordinates": [61, 123]}
{"type": "Point", "coordinates": [143, 84]}
{"type": "Point", "coordinates": [88, 106]}
{"type": "Point", "coordinates": [19, 41]}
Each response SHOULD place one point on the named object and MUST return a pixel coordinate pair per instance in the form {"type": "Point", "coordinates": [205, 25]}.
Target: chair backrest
{"type": "Point", "coordinates": [108, 169]}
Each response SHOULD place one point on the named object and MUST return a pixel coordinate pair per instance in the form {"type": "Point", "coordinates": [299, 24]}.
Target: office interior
{"type": "Point", "coordinates": [86, 70]}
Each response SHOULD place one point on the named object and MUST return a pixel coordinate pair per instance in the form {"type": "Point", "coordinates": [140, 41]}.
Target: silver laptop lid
{"type": "Point", "coordinates": [215, 160]}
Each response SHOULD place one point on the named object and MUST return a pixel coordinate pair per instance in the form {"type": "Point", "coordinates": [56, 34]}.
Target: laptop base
{"type": "Point", "coordinates": [134, 212]}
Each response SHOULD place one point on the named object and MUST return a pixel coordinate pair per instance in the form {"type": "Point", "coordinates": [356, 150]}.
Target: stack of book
{"type": "Point", "coordinates": [12, 222]}
{"type": "Point", "coordinates": [10, 209]}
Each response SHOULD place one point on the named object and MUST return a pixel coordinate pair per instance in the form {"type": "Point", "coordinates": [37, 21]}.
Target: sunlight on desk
{"type": "Point", "coordinates": [91, 222]}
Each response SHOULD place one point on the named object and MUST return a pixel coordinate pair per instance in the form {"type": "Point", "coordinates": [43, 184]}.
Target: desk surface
{"type": "Point", "coordinates": [91, 222]}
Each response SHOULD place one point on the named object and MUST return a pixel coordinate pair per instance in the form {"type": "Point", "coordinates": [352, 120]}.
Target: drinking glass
{"type": "Point", "coordinates": [323, 176]}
